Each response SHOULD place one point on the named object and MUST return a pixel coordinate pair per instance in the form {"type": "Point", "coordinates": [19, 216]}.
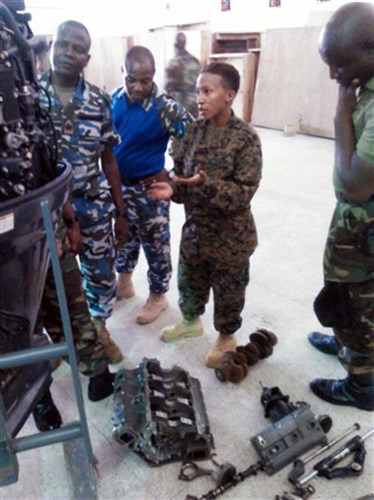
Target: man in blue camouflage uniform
{"type": "Point", "coordinates": [218, 169]}
{"type": "Point", "coordinates": [146, 119]}
{"type": "Point", "coordinates": [181, 74]}
{"type": "Point", "coordinates": [85, 136]}
{"type": "Point", "coordinates": [346, 303]}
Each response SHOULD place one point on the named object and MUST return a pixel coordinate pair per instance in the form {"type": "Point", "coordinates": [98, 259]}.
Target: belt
{"type": "Point", "coordinates": [162, 175]}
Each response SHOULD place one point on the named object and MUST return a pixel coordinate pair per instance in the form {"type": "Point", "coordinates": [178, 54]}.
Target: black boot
{"type": "Point", "coordinates": [328, 344]}
{"type": "Point", "coordinates": [101, 386]}
{"type": "Point", "coordinates": [45, 413]}
{"type": "Point", "coordinates": [355, 390]}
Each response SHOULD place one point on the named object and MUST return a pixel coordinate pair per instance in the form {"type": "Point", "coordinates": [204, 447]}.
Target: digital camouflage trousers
{"type": "Point", "coordinates": [196, 277]}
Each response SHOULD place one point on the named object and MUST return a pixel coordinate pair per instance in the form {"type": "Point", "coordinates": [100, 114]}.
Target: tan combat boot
{"type": "Point", "coordinates": [182, 330]}
{"type": "Point", "coordinates": [125, 288]}
{"type": "Point", "coordinates": [223, 344]}
{"type": "Point", "coordinates": [111, 349]}
{"type": "Point", "coordinates": [152, 309]}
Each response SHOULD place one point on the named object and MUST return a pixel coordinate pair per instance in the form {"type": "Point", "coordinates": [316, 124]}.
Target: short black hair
{"type": "Point", "coordinates": [75, 24]}
{"type": "Point", "coordinates": [139, 54]}
{"type": "Point", "coordinates": [230, 75]}
{"type": "Point", "coordinates": [180, 40]}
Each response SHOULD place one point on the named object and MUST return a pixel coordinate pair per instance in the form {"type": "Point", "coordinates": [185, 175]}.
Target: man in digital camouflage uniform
{"type": "Point", "coordinates": [81, 115]}
{"type": "Point", "coordinates": [218, 169]}
{"type": "Point", "coordinates": [145, 118]}
{"type": "Point", "coordinates": [181, 74]}
{"type": "Point", "coordinates": [346, 303]}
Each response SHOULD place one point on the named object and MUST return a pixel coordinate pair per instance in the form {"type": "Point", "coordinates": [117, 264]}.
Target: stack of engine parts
{"type": "Point", "coordinates": [327, 466]}
{"type": "Point", "coordinates": [295, 430]}
{"type": "Point", "coordinates": [161, 414]}
{"type": "Point", "coordinates": [234, 364]}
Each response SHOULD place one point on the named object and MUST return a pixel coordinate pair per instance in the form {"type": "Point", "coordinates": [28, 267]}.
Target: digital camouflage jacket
{"type": "Point", "coordinates": [218, 213]}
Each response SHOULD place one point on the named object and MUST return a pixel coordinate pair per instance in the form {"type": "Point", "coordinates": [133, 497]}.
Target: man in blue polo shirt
{"type": "Point", "coordinates": [146, 118]}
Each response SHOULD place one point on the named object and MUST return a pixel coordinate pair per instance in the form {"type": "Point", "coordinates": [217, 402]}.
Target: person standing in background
{"type": "Point", "coordinates": [181, 75]}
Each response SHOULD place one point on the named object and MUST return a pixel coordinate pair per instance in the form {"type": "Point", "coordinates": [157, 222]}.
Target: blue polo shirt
{"type": "Point", "coordinates": [145, 129]}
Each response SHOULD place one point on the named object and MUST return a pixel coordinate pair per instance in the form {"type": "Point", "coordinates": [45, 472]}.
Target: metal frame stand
{"type": "Point", "coordinates": [74, 436]}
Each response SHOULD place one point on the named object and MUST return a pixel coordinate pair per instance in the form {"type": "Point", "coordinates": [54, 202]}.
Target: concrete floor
{"type": "Point", "coordinates": [292, 210]}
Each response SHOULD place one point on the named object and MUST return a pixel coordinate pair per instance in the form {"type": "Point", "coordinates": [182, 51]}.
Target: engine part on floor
{"type": "Point", "coordinates": [326, 466]}
{"type": "Point", "coordinates": [160, 414]}
{"type": "Point", "coordinates": [295, 430]}
{"type": "Point", "coordinates": [299, 465]}
{"type": "Point", "coordinates": [234, 364]}
{"type": "Point", "coordinates": [238, 478]}
{"type": "Point", "coordinates": [221, 474]}
{"type": "Point", "coordinates": [309, 491]}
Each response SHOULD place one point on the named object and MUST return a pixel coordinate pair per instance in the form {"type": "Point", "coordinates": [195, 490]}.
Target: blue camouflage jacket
{"type": "Point", "coordinates": [83, 129]}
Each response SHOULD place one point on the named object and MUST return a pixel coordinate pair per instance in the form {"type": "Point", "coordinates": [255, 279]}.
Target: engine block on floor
{"type": "Point", "coordinates": [160, 414]}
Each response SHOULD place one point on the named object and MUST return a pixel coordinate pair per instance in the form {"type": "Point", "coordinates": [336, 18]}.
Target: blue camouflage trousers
{"type": "Point", "coordinates": [149, 228]}
{"type": "Point", "coordinates": [97, 257]}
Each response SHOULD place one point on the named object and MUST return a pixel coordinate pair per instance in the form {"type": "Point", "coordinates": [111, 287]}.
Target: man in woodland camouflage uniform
{"type": "Point", "coordinates": [92, 359]}
{"type": "Point", "coordinates": [181, 75]}
{"type": "Point", "coordinates": [346, 303]}
{"type": "Point", "coordinates": [145, 118]}
{"type": "Point", "coordinates": [81, 116]}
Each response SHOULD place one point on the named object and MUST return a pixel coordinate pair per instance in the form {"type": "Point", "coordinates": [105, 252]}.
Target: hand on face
{"type": "Point", "coordinates": [347, 98]}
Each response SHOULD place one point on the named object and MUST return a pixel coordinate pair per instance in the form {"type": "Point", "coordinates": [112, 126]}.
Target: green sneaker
{"type": "Point", "coordinates": [182, 330]}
